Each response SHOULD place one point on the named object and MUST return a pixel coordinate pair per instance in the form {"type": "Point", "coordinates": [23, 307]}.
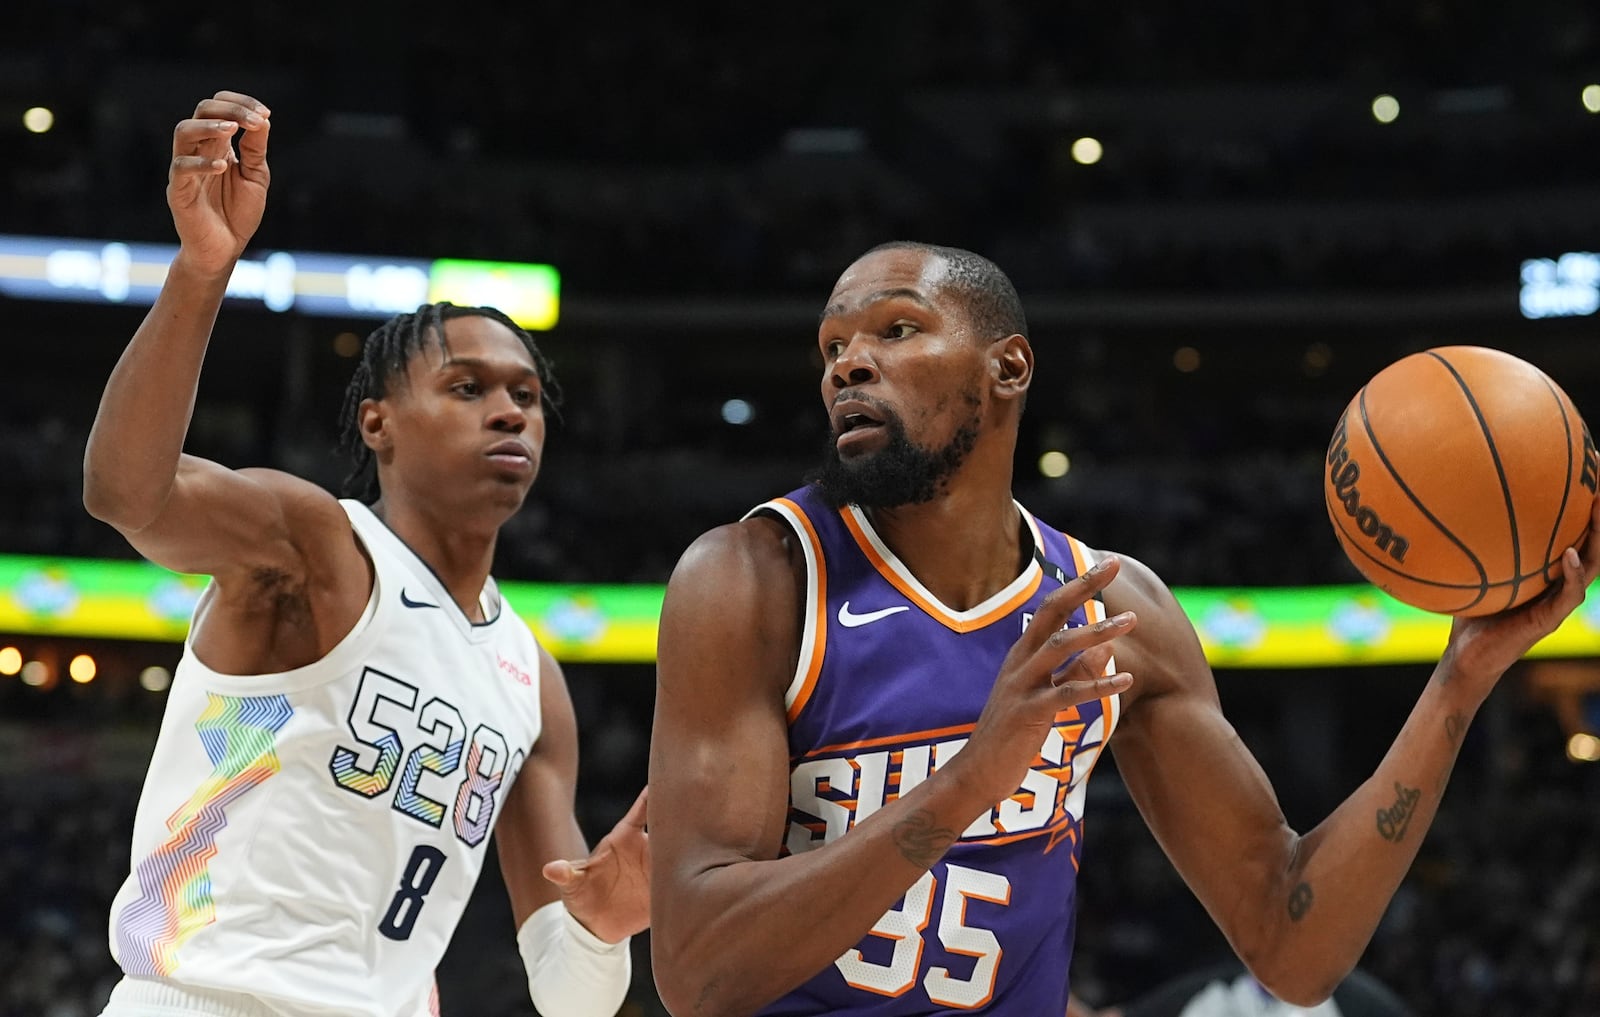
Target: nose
{"type": "Point", "coordinates": [506, 414]}
{"type": "Point", "coordinates": [854, 365]}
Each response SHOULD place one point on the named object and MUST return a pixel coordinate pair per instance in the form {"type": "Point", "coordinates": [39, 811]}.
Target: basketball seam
{"type": "Point", "coordinates": [1481, 589]}
{"type": "Point", "coordinates": [1499, 468]}
{"type": "Point", "coordinates": [1377, 447]}
{"type": "Point", "coordinates": [1566, 487]}
{"type": "Point", "coordinates": [1420, 581]}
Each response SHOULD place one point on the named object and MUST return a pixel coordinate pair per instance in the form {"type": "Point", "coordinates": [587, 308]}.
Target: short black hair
{"type": "Point", "coordinates": [384, 356]}
{"type": "Point", "coordinates": [991, 300]}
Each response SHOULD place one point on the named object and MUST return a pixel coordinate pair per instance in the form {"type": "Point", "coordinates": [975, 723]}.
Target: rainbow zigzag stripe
{"type": "Point", "coordinates": [239, 734]}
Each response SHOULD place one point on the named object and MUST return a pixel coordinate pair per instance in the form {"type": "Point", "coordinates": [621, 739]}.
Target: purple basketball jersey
{"type": "Point", "coordinates": [889, 686]}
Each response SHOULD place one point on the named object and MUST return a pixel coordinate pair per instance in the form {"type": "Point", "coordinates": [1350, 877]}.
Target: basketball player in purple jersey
{"type": "Point", "coordinates": [880, 696]}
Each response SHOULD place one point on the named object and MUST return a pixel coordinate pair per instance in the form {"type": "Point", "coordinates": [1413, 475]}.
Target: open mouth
{"type": "Point", "coordinates": [851, 416]}
{"type": "Point", "coordinates": [854, 422]}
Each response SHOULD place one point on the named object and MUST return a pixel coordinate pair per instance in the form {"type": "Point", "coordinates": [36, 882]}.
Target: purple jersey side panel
{"type": "Point", "coordinates": [901, 682]}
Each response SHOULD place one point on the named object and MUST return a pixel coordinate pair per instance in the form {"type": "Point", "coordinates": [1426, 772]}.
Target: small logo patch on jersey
{"type": "Point", "coordinates": [517, 674]}
{"type": "Point", "coordinates": [408, 602]}
{"type": "Point", "coordinates": [850, 620]}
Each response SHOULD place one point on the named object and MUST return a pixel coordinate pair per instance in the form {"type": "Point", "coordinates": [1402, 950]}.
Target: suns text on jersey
{"type": "Point", "coordinates": [834, 788]}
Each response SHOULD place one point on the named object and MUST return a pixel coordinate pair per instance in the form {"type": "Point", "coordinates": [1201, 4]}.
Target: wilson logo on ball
{"type": "Point", "coordinates": [1343, 475]}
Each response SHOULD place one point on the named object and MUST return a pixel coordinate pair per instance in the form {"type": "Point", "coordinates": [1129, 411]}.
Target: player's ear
{"type": "Point", "coordinates": [1011, 366]}
{"type": "Point", "coordinates": [373, 420]}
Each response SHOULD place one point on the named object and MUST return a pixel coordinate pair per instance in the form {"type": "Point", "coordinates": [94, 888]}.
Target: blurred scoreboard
{"type": "Point", "coordinates": [323, 285]}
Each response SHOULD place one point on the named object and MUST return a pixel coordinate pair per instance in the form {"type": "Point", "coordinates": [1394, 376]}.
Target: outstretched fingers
{"type": "Point", "coordinates": [1054, 611]}
{"type": "Point", "coordinates": [1084, 678]}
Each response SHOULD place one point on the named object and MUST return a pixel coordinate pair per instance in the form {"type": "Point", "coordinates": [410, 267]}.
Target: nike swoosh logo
{"type": "Point", "coordinates": [851, 620]}
{"type": "Point", "coordinates": [408, 602]}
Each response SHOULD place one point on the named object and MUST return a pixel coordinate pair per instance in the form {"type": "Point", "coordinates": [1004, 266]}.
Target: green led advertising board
{"type": "Point", "coordinates": [1258, 627]}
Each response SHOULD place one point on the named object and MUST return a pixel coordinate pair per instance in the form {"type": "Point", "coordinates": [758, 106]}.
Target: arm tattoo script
{"type": "Point", "coordinates": [1396, 819]}
{"type": "Point", "coordinates": [920, 841]}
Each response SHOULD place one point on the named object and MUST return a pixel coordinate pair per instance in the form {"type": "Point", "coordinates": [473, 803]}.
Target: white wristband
{"type": "Point", "coordinates": [571, 971]}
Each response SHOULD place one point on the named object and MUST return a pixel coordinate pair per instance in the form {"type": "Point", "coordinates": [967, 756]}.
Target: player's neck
{"type": "Point", "coordinates": [459, 553]}
{"type": "Point", "coordinates": [964, 546]}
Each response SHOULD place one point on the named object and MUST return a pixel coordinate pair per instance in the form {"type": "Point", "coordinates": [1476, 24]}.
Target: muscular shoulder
{"type": "Point", "coordinates": [760, 549]}
{"type": "Point", "coordinates": [1163, 653]}
{"type": "Point", "coordinates": [737, 593]}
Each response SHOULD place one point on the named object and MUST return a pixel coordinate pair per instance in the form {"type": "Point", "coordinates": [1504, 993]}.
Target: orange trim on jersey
{"type": "Point", "coordinates": [813, 667]}
{"type": "Point", "coordinates": [1066, 716]}
{"type": "Point", "coordinates": [1054, 826]}
{"type": "Point", "coordinates": [933, 608]}
{"type": "Point", "coordinates": [917, 736]}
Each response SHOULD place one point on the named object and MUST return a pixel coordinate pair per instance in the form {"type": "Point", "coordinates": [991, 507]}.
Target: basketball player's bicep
{"type": "Point", "coordinates": [218, 521]}
{"type": "Point", "coordinates": [719, 745]}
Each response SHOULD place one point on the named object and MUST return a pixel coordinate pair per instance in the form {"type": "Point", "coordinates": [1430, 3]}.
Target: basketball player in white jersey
{"type": "Point", "coordinates": [357, 706]}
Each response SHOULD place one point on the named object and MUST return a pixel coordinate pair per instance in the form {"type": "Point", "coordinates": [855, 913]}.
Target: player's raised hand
{"type": "Point", "coordinates": [1049, 669]}
{"type": "Point", "coordinates": [217, 194]}
{"type": "Point", "coordinates": [1482, 648]}
{"type": "Point", "coordinates": [609, 892]}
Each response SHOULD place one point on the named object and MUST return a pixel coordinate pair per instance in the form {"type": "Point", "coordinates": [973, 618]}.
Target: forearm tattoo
{"type": "Point", "coordinates": [1396, 819]}
{"type": "Point", "coordinates": [920, 841]}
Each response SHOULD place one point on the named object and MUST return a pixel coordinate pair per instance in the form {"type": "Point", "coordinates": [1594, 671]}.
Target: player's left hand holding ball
{"type": "Point", "coordinates": [1481, 649]}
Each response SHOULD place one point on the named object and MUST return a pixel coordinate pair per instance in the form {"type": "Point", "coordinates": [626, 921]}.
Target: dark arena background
{"type": "Point", "coordinates": [1222, 219]}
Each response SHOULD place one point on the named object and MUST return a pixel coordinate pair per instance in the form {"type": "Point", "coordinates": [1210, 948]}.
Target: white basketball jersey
{"type": "Point", "coordinates": [311, 838]}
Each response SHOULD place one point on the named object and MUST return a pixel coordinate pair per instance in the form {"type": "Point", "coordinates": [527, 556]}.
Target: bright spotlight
{"type": "Point", "coordinates": [38, 119]}
{"type": "Point", "coordinates": [82, 669]}
{"type": "Point", "coordinates": [1385, 109]}
{"type": "Point", "coordinates": [10, 660]}
{"type": "Point", "coordinates": [737, 412]}
{"type": "Point", "coordinates": [1087, 151]}
{"type": "Point", "coordinates": [1054, 463]}
{"type": "Point", "coordinates": [155, 679]}
{"type": "Point", "coordinates": [1583, 748]}
{"type": "Point", "coordinates": [1591, 98]}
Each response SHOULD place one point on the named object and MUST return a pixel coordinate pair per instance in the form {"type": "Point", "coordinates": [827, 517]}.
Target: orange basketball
{"type": "Point", "coordinates": [1457, 476]}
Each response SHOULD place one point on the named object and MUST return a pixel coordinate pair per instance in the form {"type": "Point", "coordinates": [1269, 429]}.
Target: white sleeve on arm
{"type": "Point", "coordinates": [571, 971]}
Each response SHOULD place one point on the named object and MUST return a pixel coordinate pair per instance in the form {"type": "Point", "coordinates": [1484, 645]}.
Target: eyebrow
{"type": "Point", "coordinates": [481, 364]}
{"type": "Point", "coordinates": [896, 293]}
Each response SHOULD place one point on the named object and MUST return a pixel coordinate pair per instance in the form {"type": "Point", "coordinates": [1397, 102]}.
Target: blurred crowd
{"type": "Point", "coordinates": [1199, 511]}
{"type": "Point", "coordinates": [757, 152]}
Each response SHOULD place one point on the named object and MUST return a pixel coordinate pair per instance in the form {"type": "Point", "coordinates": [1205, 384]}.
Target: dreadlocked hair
{"type": "Point", "coordinates": [384, 357]}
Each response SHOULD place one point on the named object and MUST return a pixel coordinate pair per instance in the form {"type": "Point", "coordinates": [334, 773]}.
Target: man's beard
{"type": "Point", "coordinates": [899, 473]}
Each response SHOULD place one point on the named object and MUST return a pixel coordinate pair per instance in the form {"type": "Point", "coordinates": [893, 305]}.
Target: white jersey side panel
{"type": "Point", "coordinates": [311, 838]}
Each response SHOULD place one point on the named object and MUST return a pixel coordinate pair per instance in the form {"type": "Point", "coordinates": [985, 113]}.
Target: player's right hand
{"type": "Point", "coordinates": [1048, 670]}
{"type": "Point", "coordinates": [217, 195]}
